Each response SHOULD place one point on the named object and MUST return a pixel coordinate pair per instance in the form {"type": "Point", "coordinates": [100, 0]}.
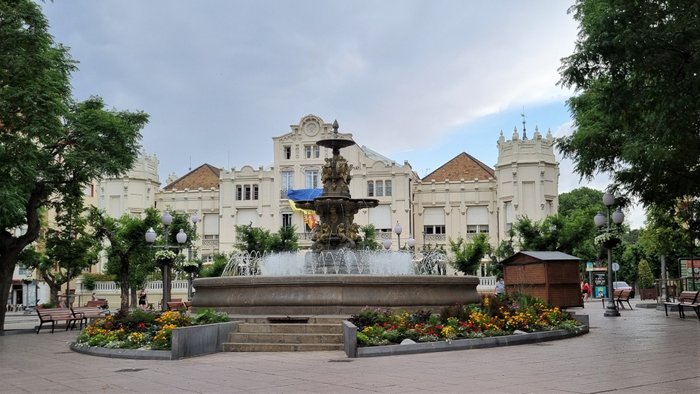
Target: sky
{"type": "Point", "coordinates": [415, 80]}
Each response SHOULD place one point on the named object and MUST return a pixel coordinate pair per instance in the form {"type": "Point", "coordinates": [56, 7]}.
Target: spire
{"type": "Point", "coordinates": [524, 129]}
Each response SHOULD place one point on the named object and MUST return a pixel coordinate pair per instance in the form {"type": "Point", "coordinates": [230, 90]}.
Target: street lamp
{"type": "Point", "coordinates": [190, 274]}
{"type": "Point", "coordinates": [398, 230]}
{"type": "Point", "coordinates": [387, 244]}
{"type": "Point", "coordinates": [600, 221]}
{"type": "Point", "coordinates": [411, 243]}
{"type": "Point", "coordinates": [181, 238]}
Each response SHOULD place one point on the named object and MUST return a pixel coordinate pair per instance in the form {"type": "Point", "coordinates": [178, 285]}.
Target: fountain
{"type": "Point", "coordinates": [333, 277]}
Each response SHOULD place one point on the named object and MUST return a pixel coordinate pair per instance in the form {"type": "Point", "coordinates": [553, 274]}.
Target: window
{"type": "Point", "coordinates": [89, 190]}
{"type": "Point", "coordinates": [378, 188]}
{"type": "Point", "coordinates": [312, 151]}
{"type": "Point", "coordinates": [287, 181]}
{"type": "Point", "coordinates": [477, 228]}
{"type": "Point", "coordinates": [247, 192]}
{"type": "Point", "coordinates": [286, 220]}
{"type": "Point", "coordinates": [287, 152]}
{"type": "Point", "coordinates": [434, 229]}
{"type": "Point", "coordinates": [311, 179]}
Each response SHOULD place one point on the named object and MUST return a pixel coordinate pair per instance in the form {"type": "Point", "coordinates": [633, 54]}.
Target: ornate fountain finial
{"type": "Point", "coordinates": [335, 128]}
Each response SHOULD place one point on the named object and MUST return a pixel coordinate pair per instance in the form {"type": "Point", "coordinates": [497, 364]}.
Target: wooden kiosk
{"type": "Point", "coordinates": [552, 276]}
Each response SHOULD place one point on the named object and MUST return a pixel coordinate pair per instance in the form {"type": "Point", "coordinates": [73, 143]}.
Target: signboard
{"type": "Point", "coordinates": [615, 267]}
{"type": "Point", "coordinates": [691, 269]}
{"type": "Point", "coordinates": [589, 266]}
{"type": "Point", "coordinates": [600, 289]}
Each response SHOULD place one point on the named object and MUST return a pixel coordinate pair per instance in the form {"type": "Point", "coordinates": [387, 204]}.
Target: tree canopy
{"type": "Point", "coordinates": [49, 144]}
{"type": "Point", "coordinates": [637, 108]}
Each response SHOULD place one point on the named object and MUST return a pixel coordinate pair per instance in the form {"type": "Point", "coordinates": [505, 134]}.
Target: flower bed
{"type": "Point", "coordinates": [493, 317]}
{"type": "Point", "coordinates": [144, 330]}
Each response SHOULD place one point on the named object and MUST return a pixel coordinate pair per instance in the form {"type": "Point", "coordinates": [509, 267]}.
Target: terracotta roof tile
{"type": "Point", "coordinates": [462, 166]}
{"type": "Point", "coordinates": [205, 176]}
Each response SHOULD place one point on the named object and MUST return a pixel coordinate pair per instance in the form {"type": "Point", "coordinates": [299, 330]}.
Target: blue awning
{"type": "Point", "coordinates": [303, 194]}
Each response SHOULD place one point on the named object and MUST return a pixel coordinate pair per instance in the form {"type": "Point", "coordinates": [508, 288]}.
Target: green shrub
{"type": "Point", "coordinates": [209, 316]}
{"type": "Point", "coordinates": [644, 275]}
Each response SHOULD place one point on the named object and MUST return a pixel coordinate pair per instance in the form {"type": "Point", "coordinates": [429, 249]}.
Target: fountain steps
{"type": "Point", "coordinates": [258, 334]}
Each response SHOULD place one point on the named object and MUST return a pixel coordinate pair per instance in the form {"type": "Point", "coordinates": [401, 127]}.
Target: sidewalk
{"type": "Point", "coordinates": [641, 351]}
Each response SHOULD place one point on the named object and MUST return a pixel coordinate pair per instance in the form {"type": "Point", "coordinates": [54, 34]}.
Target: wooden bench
{"type": "Point", "coordinates": [87, 313]}
{"type": "Point", "coordinates": [178, 305]}
{"type": "Point", "coordinates": [624, 296]}
{"type": "Point", "coordinates": [98, 303]}
{"type": "Point", "coordinates": [55, 315]}
{"type": "Point", "coordinates": [686, 298]}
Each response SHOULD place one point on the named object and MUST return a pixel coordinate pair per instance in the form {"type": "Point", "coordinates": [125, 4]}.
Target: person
{"type": "Point", "coordinates": [142, 298]}
{"type": "Point", "coordinates": [585, 290]}
{"type": "Point", "coordinates": [500, 287]}
{"type": "Point", "coordinates": [94, 298]}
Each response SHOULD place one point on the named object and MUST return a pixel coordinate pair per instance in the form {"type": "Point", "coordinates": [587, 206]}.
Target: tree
{"type": "Point", "coordinates": [70, 247]}
{"type": "Point", "coordinates": [129, 257]}
{"type": "Point", "coordinates": [286, 240]}
{"type": "Point", "coordinates": [468, 255]}
{"type": "Point", "coordinates": [636, 112]}
{"type": "Point", "coordinates": [369, 238]}
{"type": "Point", "coordinates": [49, 145]}
{"type": "Point", "coordinates": [253, 239]}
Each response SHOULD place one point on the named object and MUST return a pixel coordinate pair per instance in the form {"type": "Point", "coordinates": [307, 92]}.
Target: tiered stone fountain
{"type": "Point", "coordinates": [334, 279]}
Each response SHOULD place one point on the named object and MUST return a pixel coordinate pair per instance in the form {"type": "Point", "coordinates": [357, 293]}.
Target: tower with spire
{"type": "Point", "coordinates": [527, 175]}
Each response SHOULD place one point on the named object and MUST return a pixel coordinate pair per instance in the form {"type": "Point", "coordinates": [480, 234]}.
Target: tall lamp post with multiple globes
{"type": "Point", "coordinates": [398, 230]}
{"type": "Point", "coordinates": [411, 243]}
{"type": "Point", "coordinates": [609, 240]}
{"type": "Point", "coordinates": [166, 263]}
{"type": "Point", "coordinates": [192, 267]}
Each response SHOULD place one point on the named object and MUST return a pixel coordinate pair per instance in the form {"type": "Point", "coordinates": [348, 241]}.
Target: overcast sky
{"type": "Point", "coordinates": [413, 80]}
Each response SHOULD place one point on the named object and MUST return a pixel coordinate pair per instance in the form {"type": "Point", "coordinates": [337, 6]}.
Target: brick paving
{"type": "Point", "coordinates": [640, 352]}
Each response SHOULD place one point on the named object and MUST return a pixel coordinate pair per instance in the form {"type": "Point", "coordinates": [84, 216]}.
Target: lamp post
{"type": "Point", "coordinates": [604, 221]}
{"type": "Point", "coordinates": [387, 244]}
{"type": "Point", "coordinates": [398, 230]}
{"type": "Point", "coordinates": [411, 243]}
{"type": "Point", "coordinates": [190, 274]}
{"type": "Point", "coordinates": [181, 238]}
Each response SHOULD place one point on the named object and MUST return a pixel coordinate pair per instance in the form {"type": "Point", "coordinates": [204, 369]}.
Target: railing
{"type": "Point", "coordinates": [111, 287]}
{"type": "Point", "coordinates": [487, 284]}
{"type": "Point", "coordinates": [434, 237]}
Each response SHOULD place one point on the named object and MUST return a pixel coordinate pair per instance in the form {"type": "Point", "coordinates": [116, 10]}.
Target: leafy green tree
{"type": "Point", "coordinates": [635, 72]}
{"type": "Point", "coordinates": [129, 257]}
{"type": "Point", "coordinates": [369, 238]}
{"type": "Point", "coordinates": [286, 240]}
{"type": "Point", "coordinates": [504, 250]}
{"type": "Point", "coordinates": [49, 145]}
{"type": "Point", "coordinates": [663, 235]}
{"type": "Point", "coordinates": [576, 210]}
{"type": "Point", "coordinates": [215, 269]}
{"type": "Point", "coordinates": [253, 239]}
{"type": "Point", "coordinates": [468, 255]}
{"type": "Point", "coordinates": [70, 247]}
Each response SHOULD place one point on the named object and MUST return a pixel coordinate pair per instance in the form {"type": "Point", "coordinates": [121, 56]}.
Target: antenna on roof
{"type": "Point", "coordinates": [190, 164]}
{"type": "Point", "coordinates": [524, 130]}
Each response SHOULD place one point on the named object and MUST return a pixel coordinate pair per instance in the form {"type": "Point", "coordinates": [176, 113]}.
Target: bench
{"type": "Point", "coordinates": [178, 305]}
{"type": "Point", "coordinates": [55, 315]}
{"type": "Point", "coordinates": [620, 296]}
{"type": "Point", "coordinates": [686, 298]}
{"type": "Point", "coordinates": [87, 313]}
{"type": "Point", "coordinates": [98, 303]}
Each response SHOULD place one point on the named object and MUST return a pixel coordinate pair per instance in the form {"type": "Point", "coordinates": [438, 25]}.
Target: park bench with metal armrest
{"type": "Point", "coordinates": [686, 298]}
{"type": "Point", "coordinates": [55, 315]}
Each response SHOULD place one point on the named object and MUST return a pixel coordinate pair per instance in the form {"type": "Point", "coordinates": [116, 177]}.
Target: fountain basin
{"type": "Point", "coordinates": [332, 294]}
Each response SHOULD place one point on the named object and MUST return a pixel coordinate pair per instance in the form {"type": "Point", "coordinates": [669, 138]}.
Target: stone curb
{"type": "Point", "coordinates": [135, 354]}
{"type": "Point", "coordinates": [352, 350]}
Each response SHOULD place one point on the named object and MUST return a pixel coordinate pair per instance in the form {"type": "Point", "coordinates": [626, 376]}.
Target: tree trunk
{"type": "Point", "coordinates": [133, 298]}
{"type": "Point", "coordinates": [7, 268]}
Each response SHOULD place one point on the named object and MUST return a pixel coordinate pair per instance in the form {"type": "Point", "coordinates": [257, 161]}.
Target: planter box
{"type": "Point", "coordinates": [352, 351]}
{"type": "Point", "coordinates": [648, 294]}
{"type": "Point", "coordinates": [186, 342]}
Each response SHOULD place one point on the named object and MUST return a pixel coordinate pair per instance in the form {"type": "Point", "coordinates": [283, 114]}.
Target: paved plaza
{"type": "Point", "coordinates": [643, 351]}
